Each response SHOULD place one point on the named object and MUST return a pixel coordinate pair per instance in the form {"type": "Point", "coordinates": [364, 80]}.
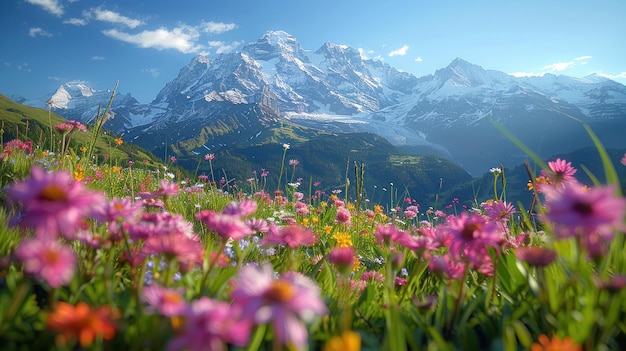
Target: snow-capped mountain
{"type": "Point", "coordinates": [234, 98]}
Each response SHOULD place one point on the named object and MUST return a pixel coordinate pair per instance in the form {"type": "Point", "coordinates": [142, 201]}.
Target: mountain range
{"type": "Point", "coordinates": [275, 91]}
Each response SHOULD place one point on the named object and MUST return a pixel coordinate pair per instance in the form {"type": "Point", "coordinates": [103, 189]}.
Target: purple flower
{"type": "Point", "coordinates": [168, 302]}
{"type": "Point", "coordinates": [287, 302]}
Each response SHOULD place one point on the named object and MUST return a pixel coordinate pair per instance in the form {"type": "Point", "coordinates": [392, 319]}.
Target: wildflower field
{"type": "Point", "coordinates": [108, 254]}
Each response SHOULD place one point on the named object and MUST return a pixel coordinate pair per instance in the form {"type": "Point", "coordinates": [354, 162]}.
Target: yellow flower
{"type": "Point", "coordinates": [347, 341]}
{"type": "Point", "coordinates": [119, 141]}
{"type": "Point", "coordinates": [305, 222]}
{"type": "Point", "coordinates": [327, 229]}
{"type": "Point", "coordinates": [323, 204]}
{"type": "Point", "coordinates": [333, 197]}
{"type": "Point", "coordinates": [79, 173]}
{"type": "Point", "coordinates": [357, 264]}
{"type": "Point", "coordinates": [350, 206]}
{"type": "Point", "coordinates": [343, 239]}
{"type": "Point", "coordinates": [83, 149]}
{"type": "Point", "coordinates": [315, 220]}
{"type": "Point", "coordinates": [378, 209]}
{"type": "Point", "coordinates": [116, 169]}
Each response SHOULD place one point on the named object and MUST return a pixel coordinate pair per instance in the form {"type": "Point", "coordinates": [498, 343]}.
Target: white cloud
{"type": "Point", "coordinates": [583, 58]}
{"type": "Point", "coordinates": [559, 66]}
{"type": "Point", "coordinates": [51, 6]}
{"type": "Point", "coordinates": [400, 52]}
{"type": "Point", "coordinates": [216, 28]}
{"type": "Point", "coordinates": [418, 59]}
{"type": "Point", "coordinates": [54, 78]}
{"type": "Point", "coordinates": [35, 31]}
{"type": "Point", "coordinates": [114, 17]}
{"type": "Point", "coordinates": [23, 67]}
{"type": "Point", "coordinates": [76, 21]}
{"type": "Point", "coordinates": [154, 72]}
{"type": "Point", "coordinates": [182, 38]}
{"type": "Point", "coordinates": [97, 58]}
{"type": "Point", "coordinates": [222, 47]}
{"type": "Point", "coordinates": [526, 74]}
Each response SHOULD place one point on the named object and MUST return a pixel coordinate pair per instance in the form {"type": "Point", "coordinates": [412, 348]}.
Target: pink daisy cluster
{"type": "Point", "coordinates": [52, 205]}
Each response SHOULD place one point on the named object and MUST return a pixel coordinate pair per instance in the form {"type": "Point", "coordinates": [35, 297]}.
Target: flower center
{"type": "Point", "coordinates": [51, 256]}
{"type": "Point", "coordinates": [52, 192]}
{"type": "Point", "coordinates": [280, 291]}
{"type": "Point", "coordinates": [468, 230]}
{"type": "Point", "coordinates": [583, 208]}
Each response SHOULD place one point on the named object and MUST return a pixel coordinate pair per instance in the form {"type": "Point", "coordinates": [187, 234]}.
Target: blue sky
{"type": "Point", "coordinates": [144, 44]}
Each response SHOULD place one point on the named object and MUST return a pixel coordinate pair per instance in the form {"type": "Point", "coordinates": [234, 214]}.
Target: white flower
{"type": "Point", "coordinates": [286, 146]}
{"type": "Point", "coordinates": [495, 170]}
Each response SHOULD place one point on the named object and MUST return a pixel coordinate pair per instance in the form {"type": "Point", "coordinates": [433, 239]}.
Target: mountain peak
{"type": "Point", "coordinates": [273, 44]}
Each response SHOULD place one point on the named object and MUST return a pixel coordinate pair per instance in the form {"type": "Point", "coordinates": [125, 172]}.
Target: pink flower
{"type": "Point", "coordinates": [187, 251]}
{"type": "Point", "coordinates": [48, 260]}
{"type": "Point", "coordinates": [575, 210]}
{"type": "Point", "coordinates": [560, 172]}
{"type": "Point", "coordinates": [535, 255]}
{"type": "Point", "coordinates": [286, 302]}
{"type": "Point", "coordinates": [294, 163]}
{"type": "Point", "coordinates": [225, 225]}
{"type": "Point", "coordinates": [342, 257]}
{"type": "Point", "coordinates": [388, 234]}
{"type": "Point", "coordinates": [624, 160]}
{"type": "Point", "coordinates": [472, 235]}
{"type": "Point", "coordinates": [158, 224]}
{"type": "Point", "coordinates": [209, 157]}
{"type": "Point", "coordinates": [445, 265]}
{"type": "Point", "coordinates": [343, 215]}
{"type": "Point", "coordinates": [52, 203]}
{"type": "Point", "coordinates": [244, 208]}
{"type": "Point", "coordinates": [498, 210]}
{"type": "Point", "coordinates": [291, 235]}
{"type": "Point", "coordinates": [165, 301]}
{"type": "Point", "coordinates": [209, 325]}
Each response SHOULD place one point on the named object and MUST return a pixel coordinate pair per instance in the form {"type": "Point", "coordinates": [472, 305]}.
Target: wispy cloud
{"type": "Point", "coordinates": [76, 21]}
{"type": "Point", "coordinates": [222, 47]}
{"type": "Point", "coordinates": [182, 38]}
{"type": "Point", "coordinates": [97, 58]}
{"type": "Point", "coordinates": [154, 72]}
{"type": "Point", "coordinates": [36, 31]}
{"type": "Point", "coordinates": [526, 74]}
{"type": "Point", "coordinates": [583, 58]}
{"type": "Point", "coordinates": [418, 59]}
{"type": "Point", "coordinates": [216, 28]}
{"type": "Point", "coordinates": [52, 6]}
{"type": "Point", "coordinates": [559, 66]}
{"type": "Point", "coordinates": [103, 15]}
{"type": "Point", "coordinates": [400, 52]}
{"type": "Point", "coordinates": [24, 67]}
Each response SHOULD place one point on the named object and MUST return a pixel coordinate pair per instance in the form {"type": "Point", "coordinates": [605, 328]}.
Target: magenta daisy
{"type": "Point", "coordinates": [187, 251]}
{"type": "Point", "coordinates": [48, 260]}
{"type": "Point", "coordinates": [291, 235]}
{"type": "Point", "coordinates": [575, 210]}
{"type": "Point", "coordinates": [165, 301]}
{"type": "Point", "coordinates": [210, 325]}
{"type": "Point", "coordinates": [472, 236]}
{"type": "Point", "coordinates": [287, 302]}
{"type": "Point", "coordinates": [52, 203]}
{"type": "Point", "coordinates": [560, 172]}
{"type": "Point", "coordinates": [227, 226]}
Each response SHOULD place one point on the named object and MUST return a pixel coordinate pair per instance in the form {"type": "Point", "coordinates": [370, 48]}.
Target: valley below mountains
{"type": "Point", "coordinates": [273, 91]}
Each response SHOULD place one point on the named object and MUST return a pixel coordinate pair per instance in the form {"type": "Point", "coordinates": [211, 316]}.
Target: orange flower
{"type": "Point", "coordinates": [347, 341]}
{"type": "Point", "coordinates": [555, 344]}
{"type": "Point", "coordinates": [81, 322]}
{"type": "Point", "coordinates": [119, 141]}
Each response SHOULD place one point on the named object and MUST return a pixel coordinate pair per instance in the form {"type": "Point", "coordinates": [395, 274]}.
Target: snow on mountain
{"type": "Point", "coordinates": [335, 88]}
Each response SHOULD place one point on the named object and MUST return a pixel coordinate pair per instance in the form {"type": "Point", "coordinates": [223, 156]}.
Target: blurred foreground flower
{"type": "Point", "coordinates": [286, 302]}
{"type": "Point", "coordinates": [555, 344]}
{"type": "Point", "coordinates": [81, 323]}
